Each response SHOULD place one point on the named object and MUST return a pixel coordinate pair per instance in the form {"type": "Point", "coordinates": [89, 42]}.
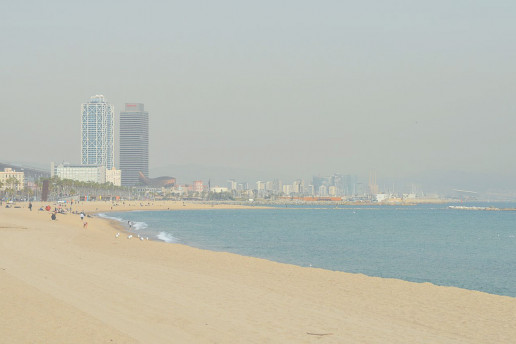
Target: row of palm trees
{"type": "Point", "coordinates": [68, 188]}
{"type": "Point", "coordinates": [10, 188]}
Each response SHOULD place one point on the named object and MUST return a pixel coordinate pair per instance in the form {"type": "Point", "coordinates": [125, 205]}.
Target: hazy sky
{"type": "Point", "coordinates": [298, 87]}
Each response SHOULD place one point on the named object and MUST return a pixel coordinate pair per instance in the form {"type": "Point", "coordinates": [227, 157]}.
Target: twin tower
{"type": "Point", "coordinates": [98, 138]}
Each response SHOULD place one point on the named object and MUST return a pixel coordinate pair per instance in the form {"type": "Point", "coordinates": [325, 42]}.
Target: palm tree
{"type": "Point", "coordinates": [12, 186]}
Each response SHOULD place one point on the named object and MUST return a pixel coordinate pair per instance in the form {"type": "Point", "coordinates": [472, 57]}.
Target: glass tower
{"type": "Point", "coordinates": [134, 143]}
{"type": "Point", "coordinates": [97, 133]}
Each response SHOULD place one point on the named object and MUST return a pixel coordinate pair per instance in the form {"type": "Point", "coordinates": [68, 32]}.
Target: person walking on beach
{"type": "Point", "coordinates": [30, 206]}
{"type": "Point", "coordinates": [82, 216]}
{"type": "Point", "coordinates": [85, 225]}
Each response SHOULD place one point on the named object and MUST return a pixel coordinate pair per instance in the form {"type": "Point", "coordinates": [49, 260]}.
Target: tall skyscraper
{"type": "Point", "coordinates": [134, 143]}
{"type": "Point", "coordinates": [98, 133]}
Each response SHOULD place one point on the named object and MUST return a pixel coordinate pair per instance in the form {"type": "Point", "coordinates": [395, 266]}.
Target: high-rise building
{"type": "Point", "coordinates": [134, 143]}
{"type": "Point", "coordinates": [97, 133]}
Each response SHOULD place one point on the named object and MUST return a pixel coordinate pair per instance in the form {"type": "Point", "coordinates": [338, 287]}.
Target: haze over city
{"type": "Point", "coordinates": [297, 88]}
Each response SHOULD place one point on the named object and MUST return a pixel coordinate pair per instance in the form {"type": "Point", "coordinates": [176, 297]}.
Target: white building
{"type": "Point", "coordinates": [298, 186]}
{"type": "Point", "coordinates": [82, 173]}
{"type": "Point", "coordinates": [232, 184]}
{"type": "Point", "coordinates": [381, 197]}
{"type": "Point", "coordinates": [97, 133]}
{"type": "Point", "coordinates": [260, 186]}
{"type": "Point", "coordinates": [114, 177]}
{"type": "Point", "coordinates": [219, 189]}
{"type": "Point", "coordinates": [11, 175]}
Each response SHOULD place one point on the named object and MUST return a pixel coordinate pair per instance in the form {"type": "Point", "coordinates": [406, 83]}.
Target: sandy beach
{"type": "Point", "coordinates": [62, 283]}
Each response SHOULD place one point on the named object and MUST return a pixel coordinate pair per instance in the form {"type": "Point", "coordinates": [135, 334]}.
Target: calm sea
{"type": "Point", "coordinates": [426, 243]}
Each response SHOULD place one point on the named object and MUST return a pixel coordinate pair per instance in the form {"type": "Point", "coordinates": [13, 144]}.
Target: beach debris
{"type": "Point", "coordinates": [117, 235]}
{"type": "Point", "coordinates": [130, 236]}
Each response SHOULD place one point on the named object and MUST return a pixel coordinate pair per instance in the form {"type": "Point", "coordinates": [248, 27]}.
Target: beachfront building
{"type": "Point", "coordinates": [219, 189]}
{"type": "Point", "coordinates": [82, 173]}
{"type": "Point", "coordinates": [10, 179]}
{"type": "Point", "coordinates": [97, 133]}
{"type": "Point", "coordinates": [114, 177]}
{"type": "Point", "coordinates": [134, 143]}
{"type": "Point", "coordinates": [198, 186]}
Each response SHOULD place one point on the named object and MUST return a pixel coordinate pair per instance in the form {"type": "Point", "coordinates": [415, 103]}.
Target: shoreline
{"type": "Point", "coordinates": [120, 223]}
{"type": "Point", "coordinates": [70, 284]}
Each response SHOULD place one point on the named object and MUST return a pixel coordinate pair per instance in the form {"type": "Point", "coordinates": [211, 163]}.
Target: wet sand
{"type": "Point", "coordinates": [62, 283]}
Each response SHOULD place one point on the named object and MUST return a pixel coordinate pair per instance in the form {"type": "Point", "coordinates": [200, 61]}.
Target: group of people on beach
{"type": "Point", "coordinates": [53, 216]}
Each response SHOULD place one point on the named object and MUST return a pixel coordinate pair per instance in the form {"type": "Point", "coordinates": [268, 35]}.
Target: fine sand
{"type": "Point", "coordinates": [62, 283]}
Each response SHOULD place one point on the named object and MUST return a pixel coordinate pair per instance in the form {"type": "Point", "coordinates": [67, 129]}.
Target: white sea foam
{"type": "Point", "coordinates": [110, 217]}
{"type": "Point", "coordinates": [139, 225]}
{"type": "Point", "coordinates": [134, 225]}
{"type": "Point", "coordinates": [167, 237]}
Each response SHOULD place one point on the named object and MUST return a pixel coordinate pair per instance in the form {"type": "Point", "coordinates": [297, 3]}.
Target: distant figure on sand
{"type": "Point", "coordinates": [53, 216]}
{"type": "Point", "coordinates": [85, 224]}
{"type": "Point", "coordinates": [30, 206]}
{"type": "Point", "coordinates": [82, 216]}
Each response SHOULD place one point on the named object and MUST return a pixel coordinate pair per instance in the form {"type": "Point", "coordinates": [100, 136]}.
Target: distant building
{"type": "Point", "coordinates": [344, 184]}
{"type": "Point", "coordinates": [219, 189]}
{"type": "Point", "coordinates": [318, 181]}
{"type": "Point", "coordinates": [298, 186]}
{"type": "Point", "coordinates": [260, 186]}
{"type": "Point", "coordinates": [134, 143]}
{"type": "Point", "coordinates": [9, 178]}
{"type": "Point", "coordinates": [97, 133]}
{"type": "Point", "coordinates": [198, 186]}
{"type": "Point", "coordinates": [232, 184]}
{"type": "Point", "coordinates": [114, 177]}
{"type": "Point", "coordinates": [381, 197]}
{"type": "Point", "coordinates": [373, 186]}
{"type": "Point", "coordinates": [323, 190]}
{"type": "Point", "coordinates": [82, 173]}
{"type": "Point", "coordinates": [277, 185]}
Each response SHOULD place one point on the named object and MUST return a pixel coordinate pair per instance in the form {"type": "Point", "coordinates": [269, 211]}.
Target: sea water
{"type": "Point", "coordinates": [462, 248]}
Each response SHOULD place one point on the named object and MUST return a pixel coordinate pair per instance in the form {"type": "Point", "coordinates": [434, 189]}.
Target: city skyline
{"type": "Point", "coordinates": [293, 89]}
